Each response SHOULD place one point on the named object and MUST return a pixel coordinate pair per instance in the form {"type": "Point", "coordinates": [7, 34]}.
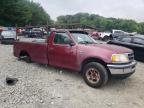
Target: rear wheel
{"type": "Point", "coordinates": [28, 59]}
{"type": "Point", "coordinates": [24, 56]}
{"type": "Point", "coordinates": [95, 74]}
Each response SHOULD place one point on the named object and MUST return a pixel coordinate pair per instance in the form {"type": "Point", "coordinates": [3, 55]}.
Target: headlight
{"type": "Point", "coordinates": [120, 58]}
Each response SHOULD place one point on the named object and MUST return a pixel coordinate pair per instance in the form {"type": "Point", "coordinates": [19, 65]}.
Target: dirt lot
{"type": "Point", "coordinates": [40, 86]}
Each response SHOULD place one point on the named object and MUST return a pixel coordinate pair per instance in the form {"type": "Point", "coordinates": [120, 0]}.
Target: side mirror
{"type": "Point", "coordinates": [72, 43]}
{"type": "Point", "coordinates": [69, 41]}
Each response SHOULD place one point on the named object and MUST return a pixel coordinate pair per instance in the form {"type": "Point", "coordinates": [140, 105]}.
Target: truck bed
{"type": "Point", "coordinates": [36, 49]}
{"type": "Point", "coordinates": [37, 40]}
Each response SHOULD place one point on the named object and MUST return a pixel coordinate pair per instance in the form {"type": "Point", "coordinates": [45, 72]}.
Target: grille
{"type": "Point", "coordinates": [131, 57]}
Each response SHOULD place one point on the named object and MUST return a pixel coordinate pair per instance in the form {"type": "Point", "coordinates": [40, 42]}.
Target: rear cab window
{"type": "Point", "coordinates": [60, 38]}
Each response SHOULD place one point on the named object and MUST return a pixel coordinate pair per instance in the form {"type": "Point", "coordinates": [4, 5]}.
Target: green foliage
{"type": "Point", "coordinates": [25, 12]}
{"type": "Point", "coordinates": [141, 26]}
{"type": "Point", "coordinates": [102, 23]}
{"type": "Point", "coordinates": [21, 13]}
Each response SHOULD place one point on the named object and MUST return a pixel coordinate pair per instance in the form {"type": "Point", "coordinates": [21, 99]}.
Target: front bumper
{"type": "Point", "coordinates": [122, 69]}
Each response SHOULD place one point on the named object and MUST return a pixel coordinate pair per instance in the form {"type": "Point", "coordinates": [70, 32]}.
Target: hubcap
{"type": "Point", "coordinates": [92, 75]}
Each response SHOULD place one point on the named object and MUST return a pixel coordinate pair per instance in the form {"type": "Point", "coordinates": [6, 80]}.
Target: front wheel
{"type": "Point", "coordinates": [95, 74]}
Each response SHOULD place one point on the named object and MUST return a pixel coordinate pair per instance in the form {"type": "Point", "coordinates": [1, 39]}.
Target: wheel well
{"type": "Point", "coordinates": [23, 53]}
{"type": "Point", "coordinates": [94, 60]}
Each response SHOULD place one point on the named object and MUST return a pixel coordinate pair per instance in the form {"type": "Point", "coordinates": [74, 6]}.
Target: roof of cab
{"type": "Point", "coordinates": [69, 30]}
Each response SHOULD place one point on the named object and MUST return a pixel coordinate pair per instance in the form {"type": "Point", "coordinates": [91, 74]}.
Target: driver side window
{"type": "Point", "coordinates": [60, 38]}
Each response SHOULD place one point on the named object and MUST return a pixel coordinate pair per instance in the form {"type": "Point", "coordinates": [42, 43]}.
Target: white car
{"type": "Point", "coordinates": [8, 36]}
{"type": "Point", "coordinates": [105, 36]}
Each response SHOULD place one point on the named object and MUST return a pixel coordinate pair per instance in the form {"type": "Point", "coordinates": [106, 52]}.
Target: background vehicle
{"type": "Point", "coordinates": [95, 35]}
{"type": "Point", "coordinates": [105, 36]}
{"type": "Point", "coordinates": [136, 43]}
{"type": "Point", "coordinates": [8, 36]}
{"type": "Point", "coordinates": [120, 33]}
{"type": "Point", "coordinates": [31, 32]}
{"type": "Point", "coordinates": [36, 33]}
{"type": "Point", "coordinates": [76, 50]}
{"type": "Point", "coordinates": [117, 33]}
{"type": "Point", "coordinates": [20, 31]}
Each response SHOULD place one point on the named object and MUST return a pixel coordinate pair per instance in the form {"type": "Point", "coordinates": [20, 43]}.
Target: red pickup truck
{"type": "Point", "coordinates": [76, 50]}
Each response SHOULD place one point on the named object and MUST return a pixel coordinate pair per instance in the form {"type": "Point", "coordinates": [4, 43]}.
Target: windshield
{"type": "Point", "coordinates": [82, 38]}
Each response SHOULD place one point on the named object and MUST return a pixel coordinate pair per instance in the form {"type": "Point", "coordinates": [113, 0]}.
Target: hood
{"type": "Point", "coordinates": [115, 48]}
{"type": "Point", "coordinates": [104, 49]}
{"type": "Point", "coordinates": [101, 51]}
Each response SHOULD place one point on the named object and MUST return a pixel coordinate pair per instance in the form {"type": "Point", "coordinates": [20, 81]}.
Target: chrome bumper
{"type": "Point", "coordinates": [122, 69]}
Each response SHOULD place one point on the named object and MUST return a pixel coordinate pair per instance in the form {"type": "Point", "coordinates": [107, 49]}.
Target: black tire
{"type": "Point", "coordinates": [25, 57]}
{"type": "Point", "coordinates": [101, 72]}
{"type": "Point", "coordinates": [106, 38]}
{"type": "Point", "coordinates": [28, 59]}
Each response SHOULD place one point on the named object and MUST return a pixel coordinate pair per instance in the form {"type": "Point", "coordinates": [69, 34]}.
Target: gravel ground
{"type": "Point", "coordinates": [41, 86]}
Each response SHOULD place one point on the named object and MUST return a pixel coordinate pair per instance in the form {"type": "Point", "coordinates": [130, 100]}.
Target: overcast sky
{"type": "Point", "coordinates": [129, 9]}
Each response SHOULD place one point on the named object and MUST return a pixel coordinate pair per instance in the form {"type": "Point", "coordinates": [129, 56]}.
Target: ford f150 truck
{"type": "Point", "coordinates": [76, 50]}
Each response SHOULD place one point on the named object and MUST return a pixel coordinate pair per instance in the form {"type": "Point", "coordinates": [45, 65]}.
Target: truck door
{"type": "Point", "coordinates": [60, 53]}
